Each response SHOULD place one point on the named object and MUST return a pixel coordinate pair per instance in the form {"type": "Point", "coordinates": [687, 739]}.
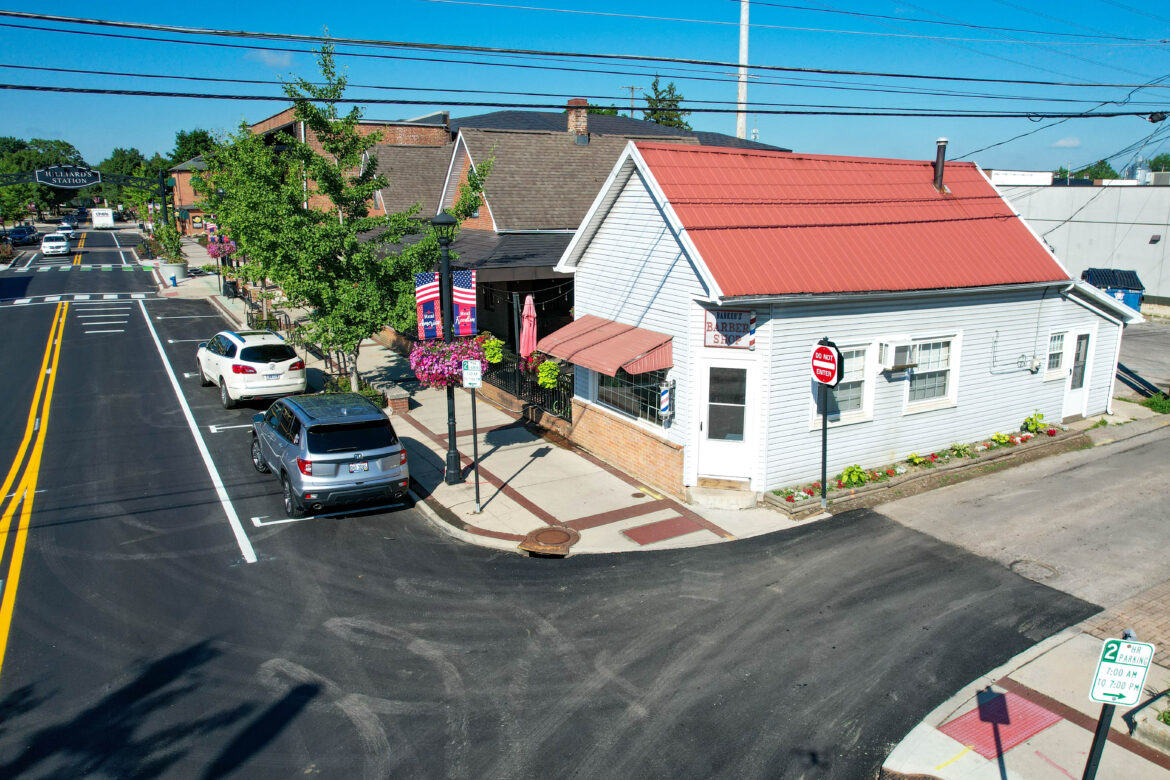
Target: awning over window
{"type": "Point", "coordinates": [605, 346]}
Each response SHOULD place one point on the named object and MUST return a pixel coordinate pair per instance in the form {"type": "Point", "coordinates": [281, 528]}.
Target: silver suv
{"type": "Point", "coordinates": [329, 449]}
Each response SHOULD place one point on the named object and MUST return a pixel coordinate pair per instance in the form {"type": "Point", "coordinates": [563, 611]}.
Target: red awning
{"type": "Point", "coordinates": [605, 346]}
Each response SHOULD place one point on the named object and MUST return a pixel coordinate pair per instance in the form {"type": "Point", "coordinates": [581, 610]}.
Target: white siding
{"type": "Point", "coordinates": [1104, 368]}
{"type": "Point", "coordinates": [999, 333]}
{"type": "Point", "coordinates": [634, 271]}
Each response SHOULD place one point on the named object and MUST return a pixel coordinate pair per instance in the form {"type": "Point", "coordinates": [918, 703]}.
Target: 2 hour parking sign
{"type": "Point", "coordinates": [1121, 672]}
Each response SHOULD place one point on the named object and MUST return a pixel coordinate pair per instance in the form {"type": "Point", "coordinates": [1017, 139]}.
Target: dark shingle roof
{"type": "Point", "coordinates": [545, 180]}
{"type": "Point", "coordinates": [1112, 279]}
{"type": "Point", "coordinates": [415, 175]}
{"type": "Point", "coordinates": [603, 124]}
{"type": "Point", "coordinates": [485, 249]}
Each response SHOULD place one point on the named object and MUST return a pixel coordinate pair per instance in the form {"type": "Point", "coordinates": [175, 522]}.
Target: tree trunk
{"type": "Point", "coordinates": [355, 379]}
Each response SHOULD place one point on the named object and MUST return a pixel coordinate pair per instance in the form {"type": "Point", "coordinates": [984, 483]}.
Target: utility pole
{"type": "Point", "coordinates": [741, 117]}
{"type": "Point", "coordinates": [631, 89]}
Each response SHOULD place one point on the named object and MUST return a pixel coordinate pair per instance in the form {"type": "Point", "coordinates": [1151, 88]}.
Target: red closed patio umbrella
{"type": "Point", "coordinates": [528, 327]}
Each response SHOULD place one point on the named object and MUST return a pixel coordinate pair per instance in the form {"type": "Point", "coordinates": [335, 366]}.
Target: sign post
{"type": "Point", "coordinates": [1120, 678]}
{"type": "Point", "coordinates": [473, 378]}
{"type": "Point", "coordinates": [826, 371]}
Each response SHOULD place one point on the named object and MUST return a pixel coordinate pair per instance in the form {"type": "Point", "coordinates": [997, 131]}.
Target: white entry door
{"type": "Point", "coordinates": [724, 424]}
{"type": "Point", "coordinates": [1076, 386]}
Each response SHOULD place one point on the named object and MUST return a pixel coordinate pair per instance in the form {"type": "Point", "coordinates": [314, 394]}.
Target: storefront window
{"type": "Point", "coordinates": [635, 395]}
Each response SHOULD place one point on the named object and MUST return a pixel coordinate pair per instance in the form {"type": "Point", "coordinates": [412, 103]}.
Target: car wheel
{"type": "Point", "coordinates": [258, 457]}
{"type": "Point", "coordinates": [292, 507]}
{"type": "Point", "coordinates": [225, 397]}
{"type": "Point", "coordinates": [203, 380]}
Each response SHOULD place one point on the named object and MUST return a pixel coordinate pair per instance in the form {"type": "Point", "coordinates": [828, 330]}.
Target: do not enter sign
{"type": "Point", "coordinates": [826, 364]}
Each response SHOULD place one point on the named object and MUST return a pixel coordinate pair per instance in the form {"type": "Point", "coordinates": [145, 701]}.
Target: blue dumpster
{"type": "Point", "coordinates": [1125, 286]}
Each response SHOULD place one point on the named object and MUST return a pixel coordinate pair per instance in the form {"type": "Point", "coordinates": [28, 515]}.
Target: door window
{"type": "Point", "coordinates": [1080, 358]}
{"type": "Point", "coordinates": [726, 403]}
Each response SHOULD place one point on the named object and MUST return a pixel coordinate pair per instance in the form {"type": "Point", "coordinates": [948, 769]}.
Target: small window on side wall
{"type": "Point", "coordinates": [1055, 351]}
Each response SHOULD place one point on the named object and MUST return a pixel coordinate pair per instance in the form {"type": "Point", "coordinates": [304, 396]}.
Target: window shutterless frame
{"type": "Point", "coordinates": [934, 382]}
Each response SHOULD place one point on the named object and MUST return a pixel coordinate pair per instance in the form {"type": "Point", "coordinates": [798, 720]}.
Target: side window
{"type": "Point", "coordinates": [213, 346]}
{"type": "Point", "coordinates": [229, 348]}
{"type": "Point", "coordinates": [272, 417]}
{"type": "Point", "coordinates": [293, 428]}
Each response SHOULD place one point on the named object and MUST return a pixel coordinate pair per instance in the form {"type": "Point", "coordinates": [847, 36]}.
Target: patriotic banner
{"type": "Point", "coordinates": [463, 295]}
{"type": "Point", "coordinates": [426, 301]}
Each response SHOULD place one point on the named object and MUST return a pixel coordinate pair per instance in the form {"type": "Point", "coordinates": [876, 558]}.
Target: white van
{"type": "Point", "coordinates": [55, 244]}
{"type": "Point", "coordinates": [103, 219]}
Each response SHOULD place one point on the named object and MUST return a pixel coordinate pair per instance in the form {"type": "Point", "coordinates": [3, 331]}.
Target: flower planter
{"type": "Point", "coordinates": [169, 269]}
{"type": "Point", "coordinates": [921, 478]}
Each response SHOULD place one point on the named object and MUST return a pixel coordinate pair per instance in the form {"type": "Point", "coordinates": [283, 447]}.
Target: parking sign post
{"type": "Point", "coordinates": [826, 370]}
{"type": "Point", "coordinates": [473, 378]}
{"type": "Point", "coordinates": [1120, 678]}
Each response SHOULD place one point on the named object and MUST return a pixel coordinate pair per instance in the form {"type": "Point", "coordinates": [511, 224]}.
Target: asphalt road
{"type": "Point", "coordinates": [144, 643]}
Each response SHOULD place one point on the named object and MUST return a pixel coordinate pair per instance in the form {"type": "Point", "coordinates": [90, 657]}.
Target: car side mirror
{"type": "Point", "coordinates": [202, 345]}
{"type": "Point", "coordinates": [257, 418]}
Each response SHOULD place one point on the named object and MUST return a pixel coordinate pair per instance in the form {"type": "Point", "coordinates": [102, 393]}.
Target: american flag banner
{"type": "Point", "coordinates": [463, 295]}
{"type": "Point", "coordinates": [426, 301]}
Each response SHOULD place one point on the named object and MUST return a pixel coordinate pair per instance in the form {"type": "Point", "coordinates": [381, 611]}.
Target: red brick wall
{"type": "Point", "coordinates": [630, 447]}
{"type": "Point", "coordinates": [277, 120]}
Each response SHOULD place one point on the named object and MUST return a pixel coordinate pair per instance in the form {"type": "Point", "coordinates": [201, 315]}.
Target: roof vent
{"type": "Point", "coordinates": [939, 160]}
{"type": "Point", "coordinates": [581, 140]}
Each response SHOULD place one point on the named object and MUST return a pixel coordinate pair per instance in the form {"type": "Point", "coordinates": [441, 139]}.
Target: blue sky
{"type": "Point", "coordinates": [784, 35]}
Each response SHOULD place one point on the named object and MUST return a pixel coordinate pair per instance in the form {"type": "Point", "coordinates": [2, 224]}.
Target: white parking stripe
{"type": "Point", "coordinates": [104, 331]}
{"type": "Point", "coordinates": [216, 481]}
{"type": "Point", "coordinates": [81, 297]}
{"type": "Point", "coordinates": [111, 297]}
{"type": "Point", "coordinates": [111, 322]}
{"type": "Point", "coordinates": [218, 428]}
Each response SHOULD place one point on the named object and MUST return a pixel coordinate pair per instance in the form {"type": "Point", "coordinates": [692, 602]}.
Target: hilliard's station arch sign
{"type": "Point", "coordinates": [75, 177]}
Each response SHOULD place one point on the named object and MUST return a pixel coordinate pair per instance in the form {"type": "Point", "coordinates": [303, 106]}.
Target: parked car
{"type": "Point", "coordinates": [55, 244]}
{"type": "Point", "coordinates": [249, 364]}
{"type": "Point", "coordinates": [329, 450]}
{"type": "Point", "coordinates": [23, 234]}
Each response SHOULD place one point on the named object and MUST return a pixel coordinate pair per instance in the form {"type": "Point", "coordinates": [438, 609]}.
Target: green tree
{"type": "Point", "coordinates": [1157, 163]}
{"type": "Point", "coordinates": [17, 156]}
{"type": "Point", "coordinates": [121, 161]}
{"type": "Point", "coordinates": [1098, 170]}
{"type": "Point", "coordinates": [662, 106]}
{"type": "Point", "coordinates": [190, 144]}
{"type": "Point", "coordinates": [349, 269]}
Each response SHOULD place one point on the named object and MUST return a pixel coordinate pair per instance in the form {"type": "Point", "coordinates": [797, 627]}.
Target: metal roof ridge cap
{"type": "Point", "coordinates": [871, 294]}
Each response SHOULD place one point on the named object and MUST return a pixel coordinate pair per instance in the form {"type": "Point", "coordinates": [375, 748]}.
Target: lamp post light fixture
{"type": "Point", "coordinates": [444, 226]}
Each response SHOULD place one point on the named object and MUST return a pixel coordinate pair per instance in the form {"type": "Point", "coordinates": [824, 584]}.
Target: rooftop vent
{"type": "Point", "coordinates": [939, 162]}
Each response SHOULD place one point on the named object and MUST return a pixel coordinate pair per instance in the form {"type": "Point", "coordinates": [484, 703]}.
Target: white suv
{"type": "Point", "coordinates": [55, 244]}
{"type": "Point", "coordinates": [250, 364]}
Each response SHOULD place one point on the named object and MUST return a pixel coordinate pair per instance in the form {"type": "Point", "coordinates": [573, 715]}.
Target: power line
{"type": "Point", "coordinates": [456, 90]}
{"type": "Point", "coordinates": [861, 15]}
{"type": "Point", "coordinates": [558, 106]}
{"type": "Point", "coordinates": [756, 25]}
{"type": "Point", "coordinates": [444, 47]}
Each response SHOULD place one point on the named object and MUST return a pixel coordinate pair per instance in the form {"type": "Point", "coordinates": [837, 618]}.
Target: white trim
{"type": "Point", "coordinates": [1086, 305]}
{"type": "Point", "coordinates": [450, 167]}
{"type": "Point", "coordinates": [1051, 374]}
{"type": "Point", "coordinates": [952, 397]}
{"type": "Point", "coordinates": [628, 163]}
{"type": "Point", "coordinates": [1124, 314]}
{"type": "Point", "coordinates": [1113, 371]}
{"type": "Point", "coordinates": [448, 184]}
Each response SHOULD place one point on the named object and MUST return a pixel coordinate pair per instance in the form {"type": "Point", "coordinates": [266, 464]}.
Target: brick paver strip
{"type": "Point", "coordinates": [427, 498]}
{"type": "Point", "coordinates": [1147, 613]}
{"type": "Point", "coordinates": [617, 515]}
{"type": "Point", "coordinates": [662, 530]}
{"type": "Point", "coordinates": [1087, 722]}
{"type": "Point", "coordinates": [488, 477]}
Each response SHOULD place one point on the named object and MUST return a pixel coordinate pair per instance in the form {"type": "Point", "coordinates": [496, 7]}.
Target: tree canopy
{"type": "Point", "coordinates": [662, 106]}
{"type": "Point", "coordinates": [190, 144]}
{"type": "Point", "coordinates": [1160, 162]}
{"type": "Point", "coordinates": [19, 156]}
{"type": "Point", "coordinates": [353, 271]}
{"type": "Point", "coordinates": [1098, 170]}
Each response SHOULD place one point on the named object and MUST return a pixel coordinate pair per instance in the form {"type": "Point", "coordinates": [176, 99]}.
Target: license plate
{"type": "Point", "coordinates": [272, 376]}
{"type": "Point", "coordinates": [356, 467]}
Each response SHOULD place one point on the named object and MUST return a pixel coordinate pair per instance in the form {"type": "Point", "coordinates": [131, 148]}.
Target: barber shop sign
{"type": "Point", "coordinates": [729, 328]}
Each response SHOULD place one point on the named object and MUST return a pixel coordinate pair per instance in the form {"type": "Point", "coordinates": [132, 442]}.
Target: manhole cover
{"type": "Point", "coordinates": [1033, 570]}
{"type": "Point", "coordinates": [550, 540]}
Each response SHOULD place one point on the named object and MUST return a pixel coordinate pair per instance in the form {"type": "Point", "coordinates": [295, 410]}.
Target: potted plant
{"type": "Point", "coordinates": [172, 264]}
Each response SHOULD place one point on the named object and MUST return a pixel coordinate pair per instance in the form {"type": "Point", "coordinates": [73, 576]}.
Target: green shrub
{"type": "Point", "coordinates": [340, 384]}
{"type": "Point", "coordinates": [547, 374]}
{"type": "Point", "coordinates": [1034, 423]}
{"type": "Point", "coordinates": [1164, 716]}
{"type": "Point", "coordinates": [1159, 403]}
{"type": "Point", "coordinates": [1001, 439]}
{"type": "Point", "coordinates": [493, 348]}
{"type": "Point", "coordinates": [962, 451]}
{"type": "Point", "coordinates": [853, 476]}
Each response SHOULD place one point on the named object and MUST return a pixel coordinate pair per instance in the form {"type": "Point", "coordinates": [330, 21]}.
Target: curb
{"type": "Point", "coordinates": [451, 526]}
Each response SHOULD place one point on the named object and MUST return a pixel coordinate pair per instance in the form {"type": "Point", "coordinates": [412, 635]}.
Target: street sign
{"type": "Point", "coordinates": [472, 374]}
{"type": "Point", "coordinates": [68, 176]}
{"type": "Point", "coordinates": [1121, 672]}
{"type": "Point", "coordinates": [826, 364]}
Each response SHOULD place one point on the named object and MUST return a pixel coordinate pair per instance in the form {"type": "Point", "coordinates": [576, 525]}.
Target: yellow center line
{"type": "Point", "coordinates": [24, 495]}
{"type": "Point", "coordinates": [30, 425]}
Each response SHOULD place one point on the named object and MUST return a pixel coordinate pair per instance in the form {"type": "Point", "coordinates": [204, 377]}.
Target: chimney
{"type": "Point", "coordinates": [579, 120]}
{"type": "Point", "coordinates": [939, 161]}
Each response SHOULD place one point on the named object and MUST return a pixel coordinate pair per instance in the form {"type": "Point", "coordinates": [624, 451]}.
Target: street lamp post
{"type": "Point", "coordinates": [444, 226]}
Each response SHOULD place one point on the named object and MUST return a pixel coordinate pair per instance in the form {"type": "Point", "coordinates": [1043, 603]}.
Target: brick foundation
{"type": "Point", "coordinates": [629, 447]}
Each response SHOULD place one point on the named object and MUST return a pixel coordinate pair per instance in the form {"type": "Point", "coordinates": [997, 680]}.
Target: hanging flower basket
{"type": "Point", "coordinates": [440, 364]}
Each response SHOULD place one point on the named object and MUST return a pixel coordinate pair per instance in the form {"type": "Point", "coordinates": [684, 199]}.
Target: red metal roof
{"type": "Point", "coordinates": [604, 345]}
{"type": "Point", "coordinates": [773, 223]}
